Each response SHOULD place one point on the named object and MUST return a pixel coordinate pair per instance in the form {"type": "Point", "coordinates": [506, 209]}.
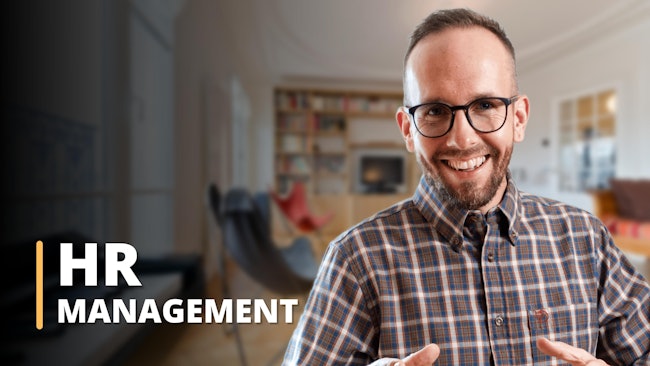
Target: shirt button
{"type": "Point", "coordinates": [498, 321]}
{"type": "Point", "coordinates": [490, 257]}
{"type": "Point", "coordinates": [541, 315]}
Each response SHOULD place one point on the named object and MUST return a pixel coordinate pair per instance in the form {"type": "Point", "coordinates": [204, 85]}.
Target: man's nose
{"type": "Point", "coordinates": [462, 134]}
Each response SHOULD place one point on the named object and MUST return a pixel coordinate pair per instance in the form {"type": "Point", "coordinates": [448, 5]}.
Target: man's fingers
{"type": "Point", "coordinates": [424, 357]}
{"type": "Point", "coordinates": [558, 349]}
{"type": "Point", "coordinates": [573, 355]}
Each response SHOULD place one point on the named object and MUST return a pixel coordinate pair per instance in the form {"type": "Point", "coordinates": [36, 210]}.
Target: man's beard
{"type": "Point", "coordinates": [468, 195]}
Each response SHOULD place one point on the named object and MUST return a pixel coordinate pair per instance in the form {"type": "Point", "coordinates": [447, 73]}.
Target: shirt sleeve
{"type": "Point", "coordinates": [624, 309]}
{"type": "Point", "coordinates": [336, 327]}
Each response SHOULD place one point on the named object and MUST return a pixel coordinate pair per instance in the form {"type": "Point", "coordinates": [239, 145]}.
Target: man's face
{"type": "Point", "coordinates": [456, 67]}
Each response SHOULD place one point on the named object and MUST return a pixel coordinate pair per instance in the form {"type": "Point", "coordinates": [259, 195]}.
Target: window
{"type": "Point", "coordinates": [587, 131]}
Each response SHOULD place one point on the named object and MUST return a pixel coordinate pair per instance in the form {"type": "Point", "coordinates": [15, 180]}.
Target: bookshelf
{"type": "Point", "coordinates": [312, 142]}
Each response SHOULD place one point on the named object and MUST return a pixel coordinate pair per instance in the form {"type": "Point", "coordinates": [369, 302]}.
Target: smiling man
{"type": "Point", "coordinates": [471, 270]}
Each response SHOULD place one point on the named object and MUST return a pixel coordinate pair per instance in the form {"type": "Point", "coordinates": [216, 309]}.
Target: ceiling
{"type": "Point", "coordinates": [294, 41]}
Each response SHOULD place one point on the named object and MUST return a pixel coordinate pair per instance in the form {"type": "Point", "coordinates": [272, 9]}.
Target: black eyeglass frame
{"type": "Point", "coordinates": [465, 108]}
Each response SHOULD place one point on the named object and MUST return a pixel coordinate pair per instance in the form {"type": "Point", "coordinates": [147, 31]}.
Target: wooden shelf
{"type": "Point", "coordinates": [376, 145]}
{"type": "Point", "coordinates": [285, 153]}
{"type": "Point", "coordinates": [288, 174]}
{"type": "Point", "coordinates": [311, 134]}
{"type": "Point", "coordinates": [292, 110]}
{"type": "Point", "coordinates": [336, 112]}
{"type": "Point", "coordinates": [326, 133]}
{"type": "Point", "coordinates": [329, 153]}
{"type": "Point", "coordinates": [373, 114]}
{"type": "Point", "coordinates": [284, 131]}
{"type": "Point", "coordinates": [330, 174]}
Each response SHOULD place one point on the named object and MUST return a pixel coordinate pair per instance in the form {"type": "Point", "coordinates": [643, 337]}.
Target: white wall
{"type": "Point", "coordinates": [211, 97]}
{"type": "Point", "coordinates": [151, 128]}
{"type": "Point", "coordinates": [262, 139]}
{"type": "Point", "coordinates": [621, 60]}
{"type": "Point", "coordinates": [202, 74]}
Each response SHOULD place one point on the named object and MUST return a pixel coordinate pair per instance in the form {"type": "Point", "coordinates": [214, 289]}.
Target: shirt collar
{"type": "Point", "coordinates": [449, 219]}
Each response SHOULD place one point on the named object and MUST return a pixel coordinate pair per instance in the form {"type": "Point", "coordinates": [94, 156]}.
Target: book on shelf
{"type": "Point", "coordinates": [331, 164]}
{"type": "Point", "coordinates": [329, 144]}
{"type": "Point", "coordinates": [378, 105]}
{"type": "Point", "coordinates": [293, 144]}
{"type": "Point", "coordinates": [323, 103]}
{"type": "Point", "coordinates": [299, 165]}
{"type": "Point", "coordinates": [291, 100]}
{"type": "Point", "coordinates": [292, 122]}
{"type": "Point", "coordinates": [329, 123]}
{"type": "Point", "coordinates": [286, 182]}
{"type": "Point", "coordinates": [293, 164]}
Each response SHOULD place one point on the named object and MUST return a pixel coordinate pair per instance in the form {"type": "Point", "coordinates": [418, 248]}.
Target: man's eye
{"type": "Point", "coordinates": [435, 111]}
{"type": "Point", "coordinates": [484, 105]}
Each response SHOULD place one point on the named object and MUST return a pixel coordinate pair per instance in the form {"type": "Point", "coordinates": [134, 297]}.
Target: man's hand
{"type": "Point", "coordinates": [573, 355]}
{"type": "Point", "coordinates": [424, 357]}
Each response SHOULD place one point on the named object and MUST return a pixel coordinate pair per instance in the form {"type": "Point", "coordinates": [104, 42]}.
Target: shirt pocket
{"type": "Point", "coordinates": [575, 324]}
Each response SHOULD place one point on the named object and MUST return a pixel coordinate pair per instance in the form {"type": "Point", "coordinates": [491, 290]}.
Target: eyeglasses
{"type": "Point", "coordinates": [484, 115]}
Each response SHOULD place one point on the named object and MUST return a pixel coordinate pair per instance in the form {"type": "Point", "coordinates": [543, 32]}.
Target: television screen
{"type": "Point", "coordinates": [382, 174]}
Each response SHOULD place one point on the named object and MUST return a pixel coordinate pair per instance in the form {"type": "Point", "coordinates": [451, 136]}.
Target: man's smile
{"type": "Point", "coordinates": [466, 165]}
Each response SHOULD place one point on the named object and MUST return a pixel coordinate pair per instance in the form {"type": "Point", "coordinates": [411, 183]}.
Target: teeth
{"type": "Point", "coordinates": [466, 164]}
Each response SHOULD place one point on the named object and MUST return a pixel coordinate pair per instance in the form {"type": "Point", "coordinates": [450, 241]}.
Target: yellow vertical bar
{"type": "Point", "coordinates": [39, 285]}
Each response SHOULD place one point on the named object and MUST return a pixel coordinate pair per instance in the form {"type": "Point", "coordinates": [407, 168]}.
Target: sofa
{"type": "Point", "coordinates": [625, 210]}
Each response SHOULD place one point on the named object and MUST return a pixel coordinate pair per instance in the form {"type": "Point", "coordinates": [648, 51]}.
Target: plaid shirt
{"type": "Point", "coordinates": [483, 287]}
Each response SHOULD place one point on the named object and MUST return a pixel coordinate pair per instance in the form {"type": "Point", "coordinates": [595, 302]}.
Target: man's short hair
{"type": "Point", "coordinates": [442, 20]}
{"type": "Point", "coordinates": [445, 19]}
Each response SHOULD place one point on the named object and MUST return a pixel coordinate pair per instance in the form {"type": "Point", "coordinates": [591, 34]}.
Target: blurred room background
{"type": "Point", "coordinates": [117, 115]}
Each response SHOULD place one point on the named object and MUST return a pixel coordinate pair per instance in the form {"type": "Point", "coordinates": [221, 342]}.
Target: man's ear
{"type": "Point", "coordinates": [404, 122]}
{"type": "Point", "coordinates": [521, 111]}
